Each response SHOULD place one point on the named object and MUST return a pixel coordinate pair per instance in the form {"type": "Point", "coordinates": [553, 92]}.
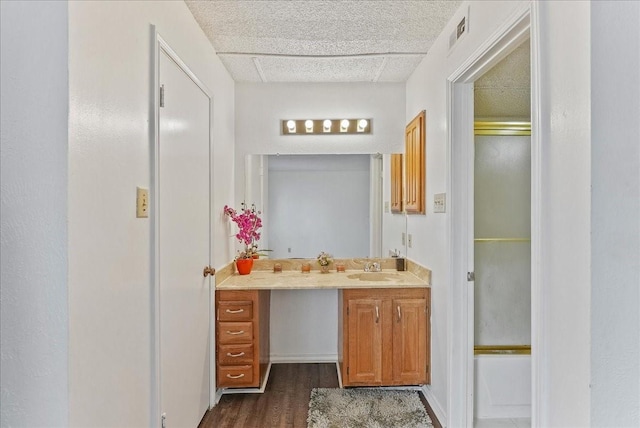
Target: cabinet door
{"type": "Point", "coordinates": [365, 341]}
{"type": "Point", "coordinates": [415, 153]}
{"type": "Point", "coordinates": [410, 341]}
{"type": "Point", "coordinates": [396, 183]}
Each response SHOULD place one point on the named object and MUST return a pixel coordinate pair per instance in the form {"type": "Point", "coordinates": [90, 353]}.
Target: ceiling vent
{"type": "Point", "coordinates": [460, 30]}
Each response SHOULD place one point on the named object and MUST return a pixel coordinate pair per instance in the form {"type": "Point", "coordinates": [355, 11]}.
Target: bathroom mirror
{"type": "Point", "coordinates": [323, 202]}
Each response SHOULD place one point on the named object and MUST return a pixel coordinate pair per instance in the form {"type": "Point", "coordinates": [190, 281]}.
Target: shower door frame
{"type": "Point", "coordinates": [521, 25]}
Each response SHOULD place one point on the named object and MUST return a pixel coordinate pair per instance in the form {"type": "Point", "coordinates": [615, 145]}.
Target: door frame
{"type": "Point", "coordinates": [159, 46]}
{"type": "Point", "coordinates": [522, 24]}
{"type": "Point", "coordinates": [375, 205]}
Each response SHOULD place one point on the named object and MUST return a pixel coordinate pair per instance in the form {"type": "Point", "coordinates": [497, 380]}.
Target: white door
{"type": "Point", "coordinates": [183, 217]}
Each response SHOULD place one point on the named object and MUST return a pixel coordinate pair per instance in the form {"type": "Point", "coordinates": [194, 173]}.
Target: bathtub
{"type": "Point", "coordinates": [502, 377]}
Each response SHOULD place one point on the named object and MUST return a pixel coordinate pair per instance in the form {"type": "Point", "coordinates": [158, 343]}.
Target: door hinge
{"type": "Point", "coordinates": [471, 276]}
{"type": "Point", "coordinates": [161, 95]}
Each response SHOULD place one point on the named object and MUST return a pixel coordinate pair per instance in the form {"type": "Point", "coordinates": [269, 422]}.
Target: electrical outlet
{"type": "Point", "coordinates": [142, 202]}
{"type": "Point", "coordinates": [439, 203]}
{"type": "Point", "coordinates": [410, 240]}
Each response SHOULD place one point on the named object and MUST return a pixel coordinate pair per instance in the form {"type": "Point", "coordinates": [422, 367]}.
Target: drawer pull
{"type": "Point", "coordinates": [239, 354]}
{"type": "Point", "coordinates": [230, 376]}
{"type": "Point", "coordinates": [235, 333]}
{"type": "Point", "coordinates": [399, 314]}
{"type": "Point", "coordinates": [237, 311]}
{"type": "Point", "coordinates": [377, 315]}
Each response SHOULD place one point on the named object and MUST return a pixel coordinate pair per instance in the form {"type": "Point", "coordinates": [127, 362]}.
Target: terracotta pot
{"type": "Point", "coordinates": [244, 266]}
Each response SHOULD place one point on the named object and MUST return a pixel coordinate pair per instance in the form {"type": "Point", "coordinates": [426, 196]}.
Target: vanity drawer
{"type": "Point", "coordinates": [235, 332]}
{"type": "Point", "coordinates": [230, 376]}
{"type": "Point", "coordinates": [235, 354]}
{"type": "Point", "coordinates": [235, 310]}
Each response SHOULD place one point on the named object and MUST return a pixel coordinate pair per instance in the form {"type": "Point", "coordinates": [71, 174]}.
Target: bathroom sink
{"type": "Point", "coordinates": [373, 276]}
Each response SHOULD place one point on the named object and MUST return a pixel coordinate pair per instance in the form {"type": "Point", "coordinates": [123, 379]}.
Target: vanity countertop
{"type": "Point", "coordinates": [294, 279]}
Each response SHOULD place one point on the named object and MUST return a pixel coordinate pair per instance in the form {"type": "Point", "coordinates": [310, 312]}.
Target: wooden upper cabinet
{"type": "Point", "coordinates": [396, 183]}
{"type": "Point", "coordinates": [415, 158]}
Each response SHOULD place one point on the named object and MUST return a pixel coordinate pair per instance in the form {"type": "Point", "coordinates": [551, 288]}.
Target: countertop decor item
{"type": "Point", "coordinates": [248, 222]}
{"type": "Point", "coordinates": [244, 266]}
{"type": "Point", "coordinates": [324, 260]}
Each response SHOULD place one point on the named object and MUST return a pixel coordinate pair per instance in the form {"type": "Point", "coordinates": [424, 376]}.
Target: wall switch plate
{"type": "Point", "coordinates": [440, 203]}
{"type": "Point", "coordinates": [409, 241]}
{"type": "Point", "coordinates": [386, 206]}
{"type": "Point", "coordinates": [142, 202]}
{"type": "Point", "coordinates": [404, 238]}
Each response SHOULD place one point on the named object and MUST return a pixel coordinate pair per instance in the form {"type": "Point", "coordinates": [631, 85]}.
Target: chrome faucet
{"type": "Point", "coordinates": [372, 267]}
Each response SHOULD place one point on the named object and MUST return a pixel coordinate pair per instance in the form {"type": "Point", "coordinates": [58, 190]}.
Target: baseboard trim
{"type": "Point", "coordinates": [434, 404]}
{"type": "Point", "coordinates": [303, 358]}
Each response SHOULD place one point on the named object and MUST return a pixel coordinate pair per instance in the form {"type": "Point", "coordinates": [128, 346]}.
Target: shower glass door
{"type": "Point", "coordinates": [502, 241]}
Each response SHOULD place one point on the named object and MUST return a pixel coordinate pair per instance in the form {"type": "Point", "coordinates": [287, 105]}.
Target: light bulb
{"type": "Point", "coordinates": [291, 126]}
{"type": "Point", "coordinates": [362, 125]}
{"type": "Point", "coordinates": [308, 124]}
{"type": "Point", "coordinates": [344, 125]}
{"type": "Point", "coordinates": [326, 125]}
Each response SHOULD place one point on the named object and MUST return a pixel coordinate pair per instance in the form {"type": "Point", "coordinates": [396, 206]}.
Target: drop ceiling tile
{"type": "Point", "coordinates": [320, 70]}
{"type": "Point", "coordinates": [320, 28]}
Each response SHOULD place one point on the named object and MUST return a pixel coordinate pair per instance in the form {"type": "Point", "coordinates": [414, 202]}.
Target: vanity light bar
{"type": "Point", "coordinates": [325, 126]}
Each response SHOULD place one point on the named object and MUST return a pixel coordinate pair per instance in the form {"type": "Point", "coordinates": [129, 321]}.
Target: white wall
{"type": "Point", "coordinates": [34, 323]}
{"type": "Point", "coordinates": [565, 212]}
{"type": "Point", "coordinates": [259, 109]}
{"type": "Point", "coordinates": [110, 321]}
{"type": "Point", "coordinates": [427, 90]}
{"type": "Point", "coordinates": [316, 203]}
{"type": "Point", "coordinates": [261, 106]}
{"type": "Point", "coordinates": [565, 57]}
{"type": "Point", "coordinates": [615, 214]}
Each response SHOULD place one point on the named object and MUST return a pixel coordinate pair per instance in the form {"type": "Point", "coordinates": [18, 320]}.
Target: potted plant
{"type": "Point", "coordinates": [324, 260]}
{"type": "Point", "coordinates": [248, 222]}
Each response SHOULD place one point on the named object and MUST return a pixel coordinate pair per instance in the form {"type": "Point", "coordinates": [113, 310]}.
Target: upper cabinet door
{"type": "Point", "coordinates": [396, 183]}
{"type": "Point", "coordinates": [415, 155]}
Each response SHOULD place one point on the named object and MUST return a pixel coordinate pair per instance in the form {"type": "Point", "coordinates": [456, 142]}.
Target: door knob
{"type": "Point", "coordinates": [208, 270]}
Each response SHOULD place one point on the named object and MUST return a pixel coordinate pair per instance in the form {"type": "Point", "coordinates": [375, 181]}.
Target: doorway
{"type": "Point", "coordinates": [505, 40]}
{"type": "Point", "coordinates": [181, 213]}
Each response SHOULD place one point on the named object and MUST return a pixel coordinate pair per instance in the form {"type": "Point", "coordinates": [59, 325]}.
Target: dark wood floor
{"type": "Point", "coordinates": [284, 403]}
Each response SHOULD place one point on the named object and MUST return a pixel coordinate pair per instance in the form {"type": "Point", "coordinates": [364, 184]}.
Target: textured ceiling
{"type": "Point", "coordinates": [321, 41]}
{"type": "Point", "coordinates": [505, 90]}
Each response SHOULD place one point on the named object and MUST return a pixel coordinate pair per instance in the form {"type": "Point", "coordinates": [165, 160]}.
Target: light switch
{"type": "Point", "coordinates": [142, 202]}
{"type": "Point", "coordinates": [439, 202]}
